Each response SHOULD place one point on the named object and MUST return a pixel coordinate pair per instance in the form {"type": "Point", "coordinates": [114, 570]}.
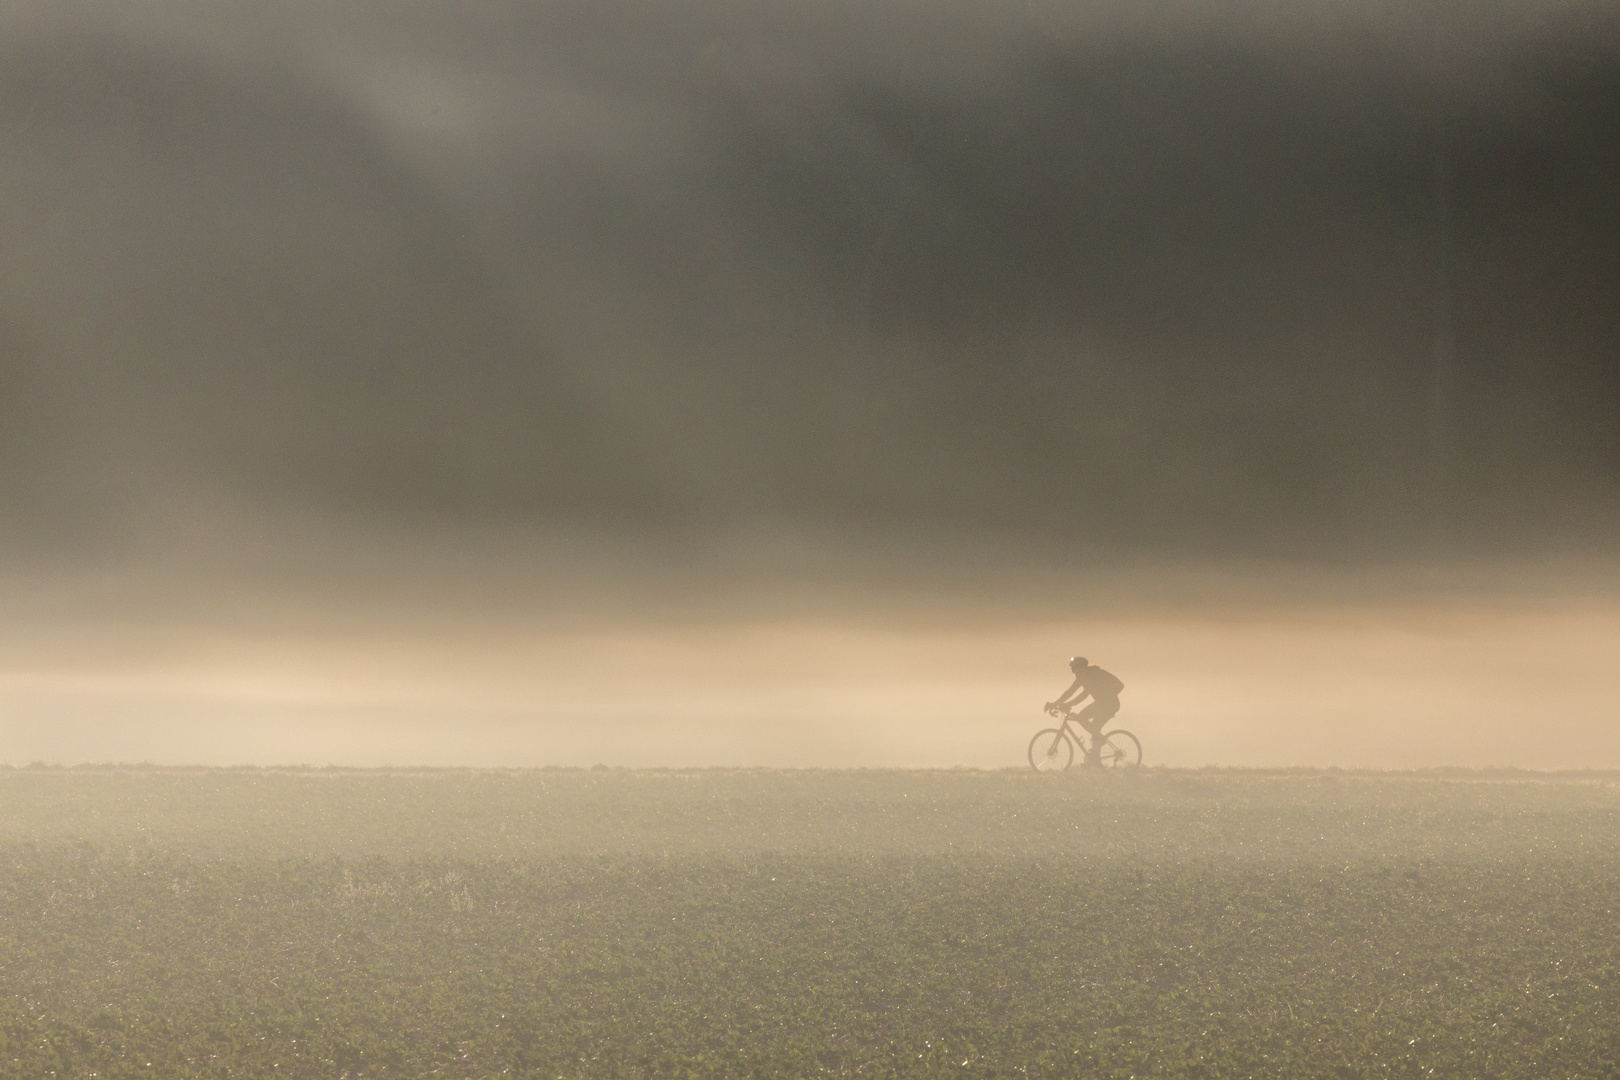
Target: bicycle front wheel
{"type": "Point", "coordinates": [1050, 750]}
{"type": "Point", "coordinates": [1119, 750]}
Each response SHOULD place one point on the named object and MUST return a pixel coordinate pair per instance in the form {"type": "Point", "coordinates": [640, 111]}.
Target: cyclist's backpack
{"type": "Point", "coordinates": [1102, 684]}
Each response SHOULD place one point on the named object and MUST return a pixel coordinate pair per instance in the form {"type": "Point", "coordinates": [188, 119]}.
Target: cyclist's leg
{"type": "Point", "coordinates": [1092, 718]}
{"type": "Point", "coordinates": [1098, 713]}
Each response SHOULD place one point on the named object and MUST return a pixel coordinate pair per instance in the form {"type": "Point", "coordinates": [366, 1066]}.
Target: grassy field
{"type": "Point", "coordinates": [172, 923]}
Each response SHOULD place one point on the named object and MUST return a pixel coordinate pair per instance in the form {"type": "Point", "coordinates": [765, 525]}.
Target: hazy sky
{"type": "Point", "coordinates": [802, 382]}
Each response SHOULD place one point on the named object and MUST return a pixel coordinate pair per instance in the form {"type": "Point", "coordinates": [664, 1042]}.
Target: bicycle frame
{"type": "Point", "coordinates": [1088, 747]}
{"type": "Point", "coordinates": [1100, 747]}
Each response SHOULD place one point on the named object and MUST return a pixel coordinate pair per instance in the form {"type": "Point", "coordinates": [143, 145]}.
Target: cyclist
{"type": "Point", "coordinates": [1104, 689]}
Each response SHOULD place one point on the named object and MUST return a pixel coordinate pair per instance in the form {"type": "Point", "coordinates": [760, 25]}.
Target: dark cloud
{"type": "Point", "coordinates": [1088, 280]}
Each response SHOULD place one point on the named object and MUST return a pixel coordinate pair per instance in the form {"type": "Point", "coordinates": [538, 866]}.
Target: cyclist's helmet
{"type": "Point", "coordinates": [1077, 664]}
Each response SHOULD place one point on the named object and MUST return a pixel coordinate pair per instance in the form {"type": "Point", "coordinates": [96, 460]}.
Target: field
{"type": "Point", "coordinates": [555, 923]}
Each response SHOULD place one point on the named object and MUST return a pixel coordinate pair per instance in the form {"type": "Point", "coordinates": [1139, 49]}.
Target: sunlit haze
{"type": "Point", "coordinates": [798, 384]}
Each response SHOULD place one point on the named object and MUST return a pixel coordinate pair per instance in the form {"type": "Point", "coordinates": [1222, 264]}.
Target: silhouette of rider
{"type": "Point", "coordinates": [1104, 689]}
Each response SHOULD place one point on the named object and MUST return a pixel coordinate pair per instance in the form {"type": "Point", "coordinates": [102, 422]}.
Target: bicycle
{"type": "Point", "coordinates": [1052, 749]}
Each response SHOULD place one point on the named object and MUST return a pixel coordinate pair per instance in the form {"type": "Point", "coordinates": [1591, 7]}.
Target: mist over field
{"type": "Point", "coordinates": [802, 384]}
{"type": "Point", "coordinates": [1218, 672]}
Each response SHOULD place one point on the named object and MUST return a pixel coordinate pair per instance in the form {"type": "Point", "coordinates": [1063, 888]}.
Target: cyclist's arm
{"type": "Point", "coordinates": [1066, 700]}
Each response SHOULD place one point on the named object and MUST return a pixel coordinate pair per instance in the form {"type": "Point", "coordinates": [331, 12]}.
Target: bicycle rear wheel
{"type": "Point", "coordinates": [1119, 750]}
{"type": "Point", "coordinates": [1050, 750]}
